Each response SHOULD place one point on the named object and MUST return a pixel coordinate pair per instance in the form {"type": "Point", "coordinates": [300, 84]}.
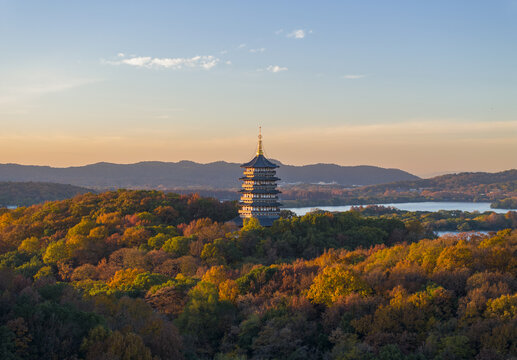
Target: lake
{"type": "Point", "coordinates": [470, 233]}
{"type": "Point", "coordinates": [415, 206]}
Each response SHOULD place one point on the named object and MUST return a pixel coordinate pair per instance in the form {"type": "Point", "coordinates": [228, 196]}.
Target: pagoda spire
{"type": "Point", "coordinates": [260, 151]}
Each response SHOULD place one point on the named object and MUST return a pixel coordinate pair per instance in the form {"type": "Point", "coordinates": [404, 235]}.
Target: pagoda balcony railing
{"type": "Point", "coordinates": [259, 182]}
{"type": "Point", "coordinates": [259, 197]}
{"type": "Point", "coordinates": [261, 214]}
{"type": "Point", "coordinates": [260, 186]}
{"type": "Point", "coordinates": [259, 208]}
{"type": "Point", "coordinates": [251, 174]}
{"type": "Point", "coordinates": [259, 170]}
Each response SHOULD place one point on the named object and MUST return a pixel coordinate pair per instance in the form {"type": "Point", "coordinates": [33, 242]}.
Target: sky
{"type": "Point", "coordinates": [425, 86]}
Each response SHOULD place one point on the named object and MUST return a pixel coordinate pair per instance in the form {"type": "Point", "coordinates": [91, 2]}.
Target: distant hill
{"type": "Point", "coordinates": [479, 182]}
{"type": "Point", "coordinates": [30, 193]}
{"type": "Point", "coordinates": [188, 174]}
{"type": "Point", "coordinates": [469, 186]}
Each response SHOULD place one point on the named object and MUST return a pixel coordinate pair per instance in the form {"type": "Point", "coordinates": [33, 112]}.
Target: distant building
{"type": "Point", "coordinates": [259, 197]}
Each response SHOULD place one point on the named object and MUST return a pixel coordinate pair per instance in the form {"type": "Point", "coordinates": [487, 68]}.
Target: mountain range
{"type": "Point", "coordinates": [192, 175]}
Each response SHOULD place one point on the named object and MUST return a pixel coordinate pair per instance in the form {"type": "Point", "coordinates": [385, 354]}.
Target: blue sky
{"type": "Point", "coordinates": [426, 86]}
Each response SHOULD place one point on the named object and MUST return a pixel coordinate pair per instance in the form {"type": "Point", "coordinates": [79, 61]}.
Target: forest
{"type": "Point", "coordinates": [506, 203]}
{"type": "Point", "coordinates": [154, 275]}
{"type": "Point", "coordinates": [444, 220]}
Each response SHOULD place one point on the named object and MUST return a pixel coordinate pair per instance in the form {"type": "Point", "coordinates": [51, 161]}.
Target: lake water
{"type": "Point", "coordinates": [415, 206]}
{"type": "Point", "coordinates": [443, 233]}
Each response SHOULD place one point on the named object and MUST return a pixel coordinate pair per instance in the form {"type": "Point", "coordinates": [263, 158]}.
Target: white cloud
{"type": "Point", "coordinates": [258, 50]}
{"type": "Point", "coordinates": [298, 34]}
{"type": "Point", "coordinates": [279, 31]}
{"type": "Point", "coordinates": [205, 62]}
{"type": "Point", "coordinates": [121, 54]}
{"type": "Point", "coordinates": [276, 68]}
{"type": "Point", "coordinates": [354, 76]}
{"type": "Point", "coordinates": [241, 46]}
{"type": "Point", "coordinates": [228, 62]}
{"type": "Point", "coordinates": [137, 61]}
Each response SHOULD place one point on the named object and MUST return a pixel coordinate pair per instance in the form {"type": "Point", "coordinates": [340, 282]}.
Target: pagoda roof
{"type": "Point", "coordinates": [259, 161]}
{"type": "Point", "coordinates": [271, 178]}
{"type": "Point", "coordinates": [261, 203]}
{"type": "Point", "coordinates": [260, 191]}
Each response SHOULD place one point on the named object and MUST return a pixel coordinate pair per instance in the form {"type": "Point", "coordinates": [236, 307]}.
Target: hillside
{"type": "Point", "coordinates": [188, 174]}
{"type": "Point", "coordinates": [148, 275]}
{"type": "Point", "coordinates": [472, 186]}
{"type": "Point", "coordinates": [30, 193]}
{"type": "Point", "coordinates": [476, 181]}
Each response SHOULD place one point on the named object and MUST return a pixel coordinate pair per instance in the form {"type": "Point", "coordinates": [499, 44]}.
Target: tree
{"type": "Point", "coordinates": [205, 319]}
{"type": "Point", "coordinates": [30, 245]}
{"type": "Point", "coordinates": [102, 344]}
{"type": "Point", "coordinates": [56, 252]}
{"type": "Point", "coordinates": [134, 236]}
{"type": "Point", "coordinates": [334, 282]}
{"type": "Point", "coordinates": [178, 246]}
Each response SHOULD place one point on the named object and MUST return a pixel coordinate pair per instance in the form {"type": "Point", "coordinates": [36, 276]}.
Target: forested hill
{"type": "Point", "coordinates": [188, 174]}
{"type": "Point", "coordinates": [470, 186]}
{"type": "Point", "coordinates": [30, 193]}
{"type": "Point", "coordinates": [473, 186]}
{"type": "Point", "coordinates": [154, 276]}
{"type": "Point", "coordinates": [504, 180]}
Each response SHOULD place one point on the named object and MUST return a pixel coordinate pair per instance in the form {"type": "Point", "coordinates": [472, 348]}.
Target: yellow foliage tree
{"type": "Point", "coordinates": [124, 278]}
{"type": "Point", "coordinates": [504, 307]}
{"type": "Point", "coordinates": [228, 290]}
{"type": "Point", "coordinates": [216, 275]}
{"type": "Point", "coordinates": [334, 282]}
{"type": "Point", "coordinates": [29, 245]}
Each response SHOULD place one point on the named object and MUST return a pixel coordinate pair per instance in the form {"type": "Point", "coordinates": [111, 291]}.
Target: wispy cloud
{"type": "Point", "coordinates": [279, 31]}
{"type": "Point", "coordinates": [299, 34]}
{"type": "Point", "coordinates": [36, 87]}
{"type": "Point", "coordinates": [258, 50]}
{"type": "Point", "coordinates": [354, 76]}
{"type": "Point", "coordinates": [205, 62]}
{"type": "Point", "coordinates": [57, 86]}
{"type": "Point", "coordinates": [241, 46]}
{"type": "Point", "coordinates": [46, 86]}
{"type": "Point", "coordinates": [419, 129]}
{"type": "Point", "coordinates": [276, 68]}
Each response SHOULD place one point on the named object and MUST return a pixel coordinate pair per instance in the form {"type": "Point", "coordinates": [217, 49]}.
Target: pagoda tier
{"type": "Point", "coordinates": [259, 193]}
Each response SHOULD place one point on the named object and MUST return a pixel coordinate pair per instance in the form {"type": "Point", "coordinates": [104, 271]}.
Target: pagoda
{"type": "Point", "coordinates": [259, 197]}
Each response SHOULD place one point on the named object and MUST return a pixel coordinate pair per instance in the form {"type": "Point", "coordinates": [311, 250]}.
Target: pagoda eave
{"type": "Point", "coordinates": [257, 191]}
{"type": "Point", "coordinates": [261, 204]}
{"type": "Point", "coordinates": [262, 178]}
